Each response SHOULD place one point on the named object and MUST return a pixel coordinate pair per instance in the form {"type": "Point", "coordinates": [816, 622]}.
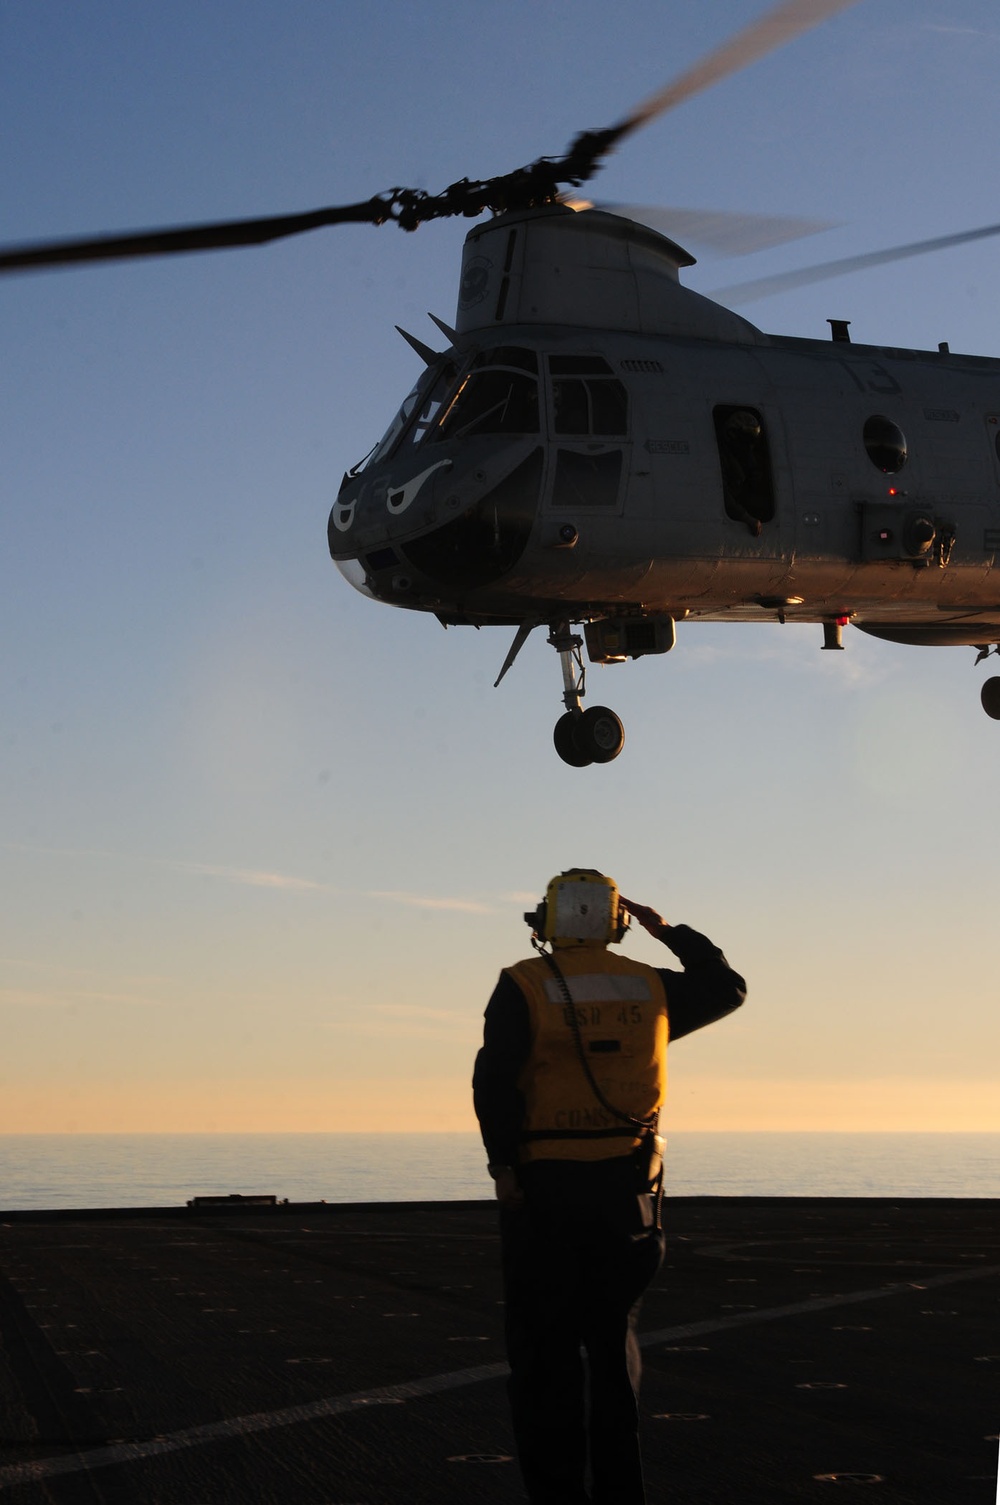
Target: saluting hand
{"type": "Point", "coordinates": [648, 918]}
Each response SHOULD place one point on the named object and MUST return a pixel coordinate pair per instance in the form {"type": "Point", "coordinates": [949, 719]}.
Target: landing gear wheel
{"type": "Point", "coordinates": [599, 734]}
{"type": "Point", "coordinates": [990, 696]}
{"type": "Point", "coordinates": [564, 738]}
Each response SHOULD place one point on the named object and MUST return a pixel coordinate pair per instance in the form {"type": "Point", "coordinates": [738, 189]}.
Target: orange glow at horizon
{"type": "Point", "coordinates": [892, 1105]}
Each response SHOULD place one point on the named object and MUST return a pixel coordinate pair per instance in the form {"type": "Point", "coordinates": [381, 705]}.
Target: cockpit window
{"type": "Point", "coordinates": [432, 406]}
{"type": "Point", "coordinates": [491, 402]}
{"type": "Point", "coordinates": [427, 400]}
{"type": "Point", "coordinates": [395, 428]}
{"type": "Point", "coordinates": [494, 396]}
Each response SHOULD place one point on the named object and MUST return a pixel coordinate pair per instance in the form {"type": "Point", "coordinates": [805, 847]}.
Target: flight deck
{"type": "Point", "coordinates": [795, 1350]}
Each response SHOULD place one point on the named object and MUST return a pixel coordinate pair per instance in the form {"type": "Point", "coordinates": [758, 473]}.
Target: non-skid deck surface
{"type": "Point", "coordinates": [795, 1350]}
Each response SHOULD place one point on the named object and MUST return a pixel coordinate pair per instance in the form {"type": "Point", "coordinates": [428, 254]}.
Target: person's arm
{"type": "Point", "coordinates": [707, 989]}
{"type": "Point", "coordinates": [497, 1099]}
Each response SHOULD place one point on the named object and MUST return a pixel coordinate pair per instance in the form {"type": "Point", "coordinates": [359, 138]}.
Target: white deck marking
{"type": "Point", "coordinates": [261, 1421]}
{"type": "Point", "coordinates": [814, 1304]}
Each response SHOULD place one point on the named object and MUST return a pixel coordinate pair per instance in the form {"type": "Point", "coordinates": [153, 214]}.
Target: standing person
{"type": "Point", "coordinates": [567, 1089]}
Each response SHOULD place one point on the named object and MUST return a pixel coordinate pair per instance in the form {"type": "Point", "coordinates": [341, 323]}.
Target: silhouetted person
{"type": "Point", "coordinates": [568, 1087]}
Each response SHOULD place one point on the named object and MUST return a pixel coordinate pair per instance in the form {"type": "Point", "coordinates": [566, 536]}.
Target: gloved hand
{"type": "Point", "coordinates": [647, 918]}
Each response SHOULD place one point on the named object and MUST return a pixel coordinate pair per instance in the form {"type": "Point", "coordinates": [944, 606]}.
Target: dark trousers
{"type": "Point", "coordinates": [576, 1261]}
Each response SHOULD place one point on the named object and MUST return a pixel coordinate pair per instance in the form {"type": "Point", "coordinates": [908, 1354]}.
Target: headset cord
{"type": "Point", "coordinates": [646, 1125]}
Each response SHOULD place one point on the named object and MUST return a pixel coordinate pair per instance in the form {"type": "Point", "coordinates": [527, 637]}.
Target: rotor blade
{"type": "Point", "coordinates": [782, 282]}
{"type": "Point", "coordinates": [208, 237]}
{"type": "Point", "coordinates": [727, 233]}
{"type": "Point", "coordinates": [409, 208]}
{"type": "Point", "coordinates": [772, 30]}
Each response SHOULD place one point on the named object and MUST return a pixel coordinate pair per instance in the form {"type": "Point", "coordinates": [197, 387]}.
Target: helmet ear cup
{"type": "Point", "coordinates": [536, 918]}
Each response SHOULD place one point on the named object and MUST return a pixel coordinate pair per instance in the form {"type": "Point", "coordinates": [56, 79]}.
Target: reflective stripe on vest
{"type": "Point", "coordinates": [621, 1010]}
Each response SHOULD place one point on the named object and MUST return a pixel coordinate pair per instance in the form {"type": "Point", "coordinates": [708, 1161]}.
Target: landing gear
{"type": "Point", "coordinates": [592, 736]}
{"type": "Point", "coordinates": [565, 741]}
{"type": "Point", "coordinates": [582, 737]}
{"type": "Point", "coordinates": [990, 693]}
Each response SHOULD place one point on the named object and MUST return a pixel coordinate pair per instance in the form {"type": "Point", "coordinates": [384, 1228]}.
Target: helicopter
{"type": "Point", "coordinates": [599, 447]}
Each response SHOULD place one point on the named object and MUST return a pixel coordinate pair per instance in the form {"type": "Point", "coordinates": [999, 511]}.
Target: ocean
{"type": "Point", "coordinates": [164, 1170]}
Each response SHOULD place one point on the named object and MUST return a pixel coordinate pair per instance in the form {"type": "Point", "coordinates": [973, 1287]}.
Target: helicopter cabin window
{"type": "Point", "coordinates": [498, 396]}
{"type": "Point", "coordinates": [885, 443]}
{"type": "Point", "coordinates": [745, 458]}
{"type": "Point", "coordinates": [586, 397]}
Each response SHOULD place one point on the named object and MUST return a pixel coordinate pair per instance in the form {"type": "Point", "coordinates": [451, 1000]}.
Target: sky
{"type": "Point", "coordinates": [265, 844]}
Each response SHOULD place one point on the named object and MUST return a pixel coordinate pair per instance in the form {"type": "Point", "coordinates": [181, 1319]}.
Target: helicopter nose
{"type": "Point", "coordinates": [449, 528]}
{"type": "Point", "coordinates": [355, 574]}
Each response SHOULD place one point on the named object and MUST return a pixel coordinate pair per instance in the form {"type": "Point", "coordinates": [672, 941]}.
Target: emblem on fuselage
{"type": "Point", "coordinates": [475, 281]}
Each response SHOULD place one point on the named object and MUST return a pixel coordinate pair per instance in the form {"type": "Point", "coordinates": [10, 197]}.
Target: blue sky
{"type": "Point", "coordinates": [265, 843]}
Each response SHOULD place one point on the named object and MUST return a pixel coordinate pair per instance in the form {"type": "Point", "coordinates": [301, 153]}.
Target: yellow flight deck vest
{"type": "Point", "coordinates": [621, 1009]}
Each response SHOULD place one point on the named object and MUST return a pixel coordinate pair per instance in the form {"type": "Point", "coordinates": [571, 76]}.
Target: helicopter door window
{"type": "Point", "coordinates": [608, 407]}
{"type": "Point", "coordinates": [589, 407]}
{"type": "Point", "coordinates": [745, 458]}
{"type": "Point", "coordinates": [583, 480]}
{"type": "Point", "coordinates": [586, 398]}
{"type": "Point", "coordinates": [571, 407]}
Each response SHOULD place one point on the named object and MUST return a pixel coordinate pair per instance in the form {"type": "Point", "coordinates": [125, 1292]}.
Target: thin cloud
{"type": "Point", "coordinates": [416, 1011]}
{"type": "Point", "coordinates": [962, 31]}
{"type": "Point", "coordinates": [265, 878]}
{"type": "Point", "coordinates": [23, 846]}
{"type": "Point", "coordinates": [140, 979]}
{"type": "Point", "coordinates": [861, 665]}
{"type": "Point", "coordinates": [29, 998]}
{"type": "Point", "coordinates": [249, 877]}
{"type": "Point", "coordinates": [253, 877]}
{"type": "Point", "coordinates": [398, 1029]}
{"type": "Point", "coordinates": [426, 901]}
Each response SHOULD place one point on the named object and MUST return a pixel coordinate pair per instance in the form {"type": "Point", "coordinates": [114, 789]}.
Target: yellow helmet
{"type": "Point", "coordinates": [581, 907]}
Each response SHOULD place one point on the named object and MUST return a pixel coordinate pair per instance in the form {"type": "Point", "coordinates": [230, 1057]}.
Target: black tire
{"type": "Point", "coordinates": [564, 738]}
{"type": "Point", "coordinates": [990, 696]}
{"type": "Point", "coordinates": [599, 734]}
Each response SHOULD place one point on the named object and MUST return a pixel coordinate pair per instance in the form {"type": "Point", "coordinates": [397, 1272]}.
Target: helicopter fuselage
{"type": "Point", "coordinates": [565, 471]}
